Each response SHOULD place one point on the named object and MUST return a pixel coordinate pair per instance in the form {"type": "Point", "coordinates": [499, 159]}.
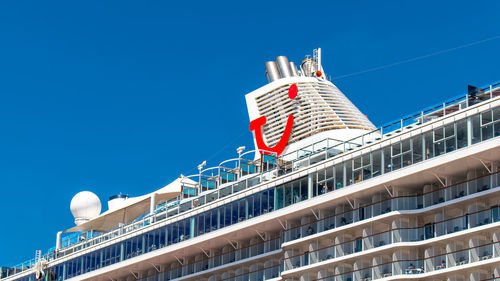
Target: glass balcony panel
{"type": "Point", "coordinates": [382, 271]}
{"type": "Point", "coordinates": [329, 223]}
{"type": "Point", "coordinates": [347, 248]}
{"type": "Point", "coordinates": [458, 258]}
{"type": "Point", "coordinates": [309, 229]}
{"type": "Point", "coordinates": [272, 272]}
{"type": "Point", "coordinates": [429, 231]}
{"type": "Point", "coordinates": [435, 263]}
{"type": "Point", "coordinates": [495, 214]}
{"type": "Point", "coordinates": [479, 219]}
{"type": "Point", "coordinates": [382, 239]}
{"type": "Point", "coordinates": [385, 206]}
{"type": "Point", "coordinates": [326, 253]}
{"type": "Point", "coordinates": [455, 225]}
{"type": "Point", "coordinates": [344, 277]}
{"type": "Point", "coordinates": [483, 183]}
{"type": "Point", "coordinates": [363, 274]}
{"type": "Point", "coordinates": [411, 267]}
{"type": "Point", "coordinates": [294, 262]}
{"type": "Point", "coordinates": [482, 253]}
{"type": "Point", "coordinates": [458, 191]}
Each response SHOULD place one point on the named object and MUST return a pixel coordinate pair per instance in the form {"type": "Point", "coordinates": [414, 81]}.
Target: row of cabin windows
{"type": "Point", "coordinates": [448, 138]}
{"type": "Point", "coordinates": [246, 208]}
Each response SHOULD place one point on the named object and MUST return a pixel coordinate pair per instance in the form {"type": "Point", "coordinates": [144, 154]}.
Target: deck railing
{"type": "Point", "coordinates": [312, 154]}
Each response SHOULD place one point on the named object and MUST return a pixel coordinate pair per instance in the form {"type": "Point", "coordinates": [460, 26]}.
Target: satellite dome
{"type": "Point", "coordinates": [85, 206]}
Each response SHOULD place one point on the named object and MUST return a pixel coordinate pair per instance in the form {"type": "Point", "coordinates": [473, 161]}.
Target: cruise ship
{"type": "Point", "coordinates": [324, 195]}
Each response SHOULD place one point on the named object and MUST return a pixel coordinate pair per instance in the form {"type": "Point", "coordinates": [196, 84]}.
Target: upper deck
{"type": "Point", "coordinates": [232, 178]}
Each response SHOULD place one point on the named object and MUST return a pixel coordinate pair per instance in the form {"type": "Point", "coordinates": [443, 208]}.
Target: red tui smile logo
{"type": "Point", "coordinates": [256, 125]}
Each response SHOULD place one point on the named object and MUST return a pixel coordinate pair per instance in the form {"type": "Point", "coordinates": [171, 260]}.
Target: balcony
{"type": "Point", "coordinates": [398, 235]}
{"type": "Point", "coordinates": [400, 203]}
{"type": "Point", "coordinates": [409, 264]}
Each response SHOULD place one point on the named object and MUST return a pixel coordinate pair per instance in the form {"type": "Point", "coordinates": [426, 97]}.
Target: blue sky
{"type": "Point", "coordinates": [123, 96]}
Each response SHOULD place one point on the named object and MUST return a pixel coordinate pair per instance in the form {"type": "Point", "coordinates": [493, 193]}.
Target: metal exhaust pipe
{"type": "Point", "coordinates": [295, 71]}
{"type": "Point", "coordinates": [272, 72]}
{"type": "Point", "coordinates": [284, 66]}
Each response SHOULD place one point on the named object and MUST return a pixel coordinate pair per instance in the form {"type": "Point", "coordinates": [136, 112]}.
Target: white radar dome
{"type": "Point", "coordinates": [85, 206]}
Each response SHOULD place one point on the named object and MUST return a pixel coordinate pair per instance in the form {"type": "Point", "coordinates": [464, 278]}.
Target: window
{"type": "Point", "coordinates": [242, 210]}
{"type": "Point", "coordinates": [401, 154]}
{"type": "Point", "coordinates": [264, 201]}
{"type": "Point", "coordinates": [387, 160]}
{"type": "Point", "coordinates": [215, 219]}
{"type": "Point", "coordinates": [461, 129]}
{"type": "Point", "coordinates": [429, 147]}
{"type": "Point", "coordinates": [376, 163]}
{"type": "Point", "coordinates": [234, 216]}
{"type": "Point", "coordinates": [339, 176]}
{"type": "Point", "coordinates": [416, 148]}
{"type": "Point", "coordinates": [476, 129]}
{"type": "Point", "coordinates": [303, 189]}
{"type": "Point", "coordinates": [487, 125]}
{"type": "Point", "coordinates": [288, 193]}
{"type": "Point", "coordinates": [348, 172]}
{"type": "Point", "coordinates": [362, 168]}
{"type": "Point", "coordinates": [295, 192]}
{"type": "Point", "coordinates": [207, 224]}
{"type": "Point", "coordinates": [496, 120]}
{"type": "Point", "coordinates": [227, 215]}
{"type": "Point", "coordinates": [279, 197]}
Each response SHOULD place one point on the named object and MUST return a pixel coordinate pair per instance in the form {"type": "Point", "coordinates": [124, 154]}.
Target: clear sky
{"type": "Point", "coordinates": [124, 96]}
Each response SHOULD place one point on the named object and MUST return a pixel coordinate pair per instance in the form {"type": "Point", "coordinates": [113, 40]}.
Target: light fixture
{"type": "Point", "coordinates": [200, 167]}
{"type": "Point", "coordinates": [240, 149]}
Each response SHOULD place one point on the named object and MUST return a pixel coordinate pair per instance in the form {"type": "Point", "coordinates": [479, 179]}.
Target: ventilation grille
{"type": "Point", "coordinates": [318, 107]}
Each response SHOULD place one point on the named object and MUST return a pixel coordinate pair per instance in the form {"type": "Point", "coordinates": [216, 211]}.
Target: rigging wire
{"type": "Point", "coordinates": [416, 58]}
{"type": "Point", "coordinates": [370, 70]}
{"type": "Point", "coordinates": [232, 142]}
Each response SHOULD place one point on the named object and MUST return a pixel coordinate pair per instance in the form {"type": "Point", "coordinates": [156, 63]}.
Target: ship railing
{"type": "Point", "coordinates": [264, 273]}
{"type": "Point", "coordinates": [312, 154]}
{"type": "Point", "coordinates": [398, 203]}
{"type": "Point", "coordinates": [151, 218]}
{"type": "Point", "coordinates": [213, 262]}
{"type": "Point", "coordinates": [163, 212]}
{"type": "Point", "coordinates": [75, 238]}
{"type": "Point", "coordinates": [214, 177]}
{"type": "Point", "coordinates": [269, 165]}
{"type": "Point", "coordinates": [395, 235]}
{"type": "Point", "coordinates": [411, 263]}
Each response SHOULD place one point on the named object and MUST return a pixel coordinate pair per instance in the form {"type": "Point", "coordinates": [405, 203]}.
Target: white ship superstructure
{"type": "Point", "coordinates": [417, 199]}
{"type": "Point", "coordinates": [320, 109]}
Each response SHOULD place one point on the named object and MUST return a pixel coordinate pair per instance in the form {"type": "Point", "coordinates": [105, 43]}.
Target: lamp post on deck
{"type": "Point", "coordinates": [240, 151]}
{"type": "Point", "coordinates": [200, 167]}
